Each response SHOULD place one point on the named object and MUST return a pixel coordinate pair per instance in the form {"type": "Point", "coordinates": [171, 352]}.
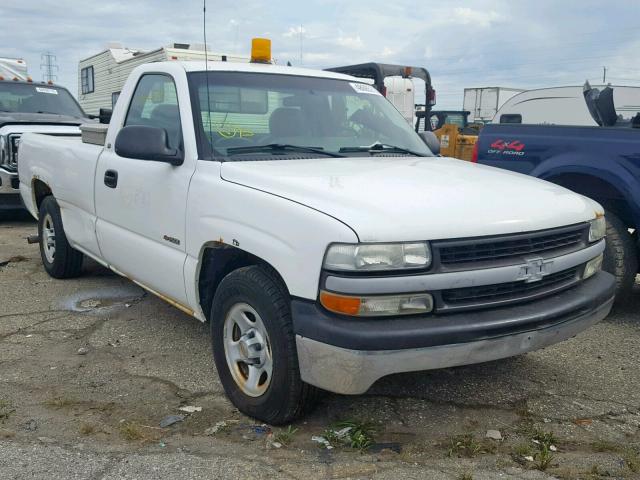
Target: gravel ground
{"type": "Point", "coordinates": [89, 367]}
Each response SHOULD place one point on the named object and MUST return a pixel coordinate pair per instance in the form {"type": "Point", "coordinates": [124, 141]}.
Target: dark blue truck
{"type": "Point", "coordinates": [600, 162]}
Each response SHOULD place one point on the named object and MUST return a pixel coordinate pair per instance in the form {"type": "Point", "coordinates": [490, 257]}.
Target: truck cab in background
{"type": "Point", "coordinates": [26, 106]}
{"type": "Point", "coordinates": [395, 82]}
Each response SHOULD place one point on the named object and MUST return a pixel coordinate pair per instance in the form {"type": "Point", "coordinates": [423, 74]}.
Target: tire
{"type": "Point", "coordinates": [620, 257]}
{"type": "Point", "coordinates": [255, 293]}
{"type": "Point", "coordinates": [60, 260]}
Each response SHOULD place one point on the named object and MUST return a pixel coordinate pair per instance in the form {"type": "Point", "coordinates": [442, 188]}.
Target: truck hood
{"type": "Point", "coordinates": [7, 118]}
{"type": "Point", "coordinates": [408, 198]}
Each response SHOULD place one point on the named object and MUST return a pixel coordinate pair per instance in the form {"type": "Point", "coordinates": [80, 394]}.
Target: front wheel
{"type": "Point", "coordinates": [254, 347]}
{"type": "Point", "coordinates": [620, 257]}
{"type": "Point", "coordinates": [60, 259]}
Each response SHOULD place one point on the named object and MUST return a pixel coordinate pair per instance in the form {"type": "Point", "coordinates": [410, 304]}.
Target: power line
{"type": "Point", "coordinates": [49, 67]}
{"type": "Point", "coordinates": [546, 63]}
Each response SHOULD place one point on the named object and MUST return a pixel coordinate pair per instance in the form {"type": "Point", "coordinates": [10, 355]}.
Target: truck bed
{"type": "Point", "coordinates": [67, 166]}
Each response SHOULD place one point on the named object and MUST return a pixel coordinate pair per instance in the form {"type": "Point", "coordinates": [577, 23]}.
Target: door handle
{"type": "Point", "coordinates": [111, 178]}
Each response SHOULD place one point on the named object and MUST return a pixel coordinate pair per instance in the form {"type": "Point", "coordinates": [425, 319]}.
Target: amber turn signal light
{"type": "Point", "coordinates": [340, 303]}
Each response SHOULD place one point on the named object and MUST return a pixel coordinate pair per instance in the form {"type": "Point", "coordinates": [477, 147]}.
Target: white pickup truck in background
{"type": "Point", "coordinates": [299, 213]}
{"type": "Point", "coordinates": [26, 106]}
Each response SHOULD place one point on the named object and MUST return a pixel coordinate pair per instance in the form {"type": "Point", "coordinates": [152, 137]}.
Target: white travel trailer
{"type": "Point", "coordinates": [102, 76]}
{"type": "Point", "coordinates": [563, 106]}
{"type": "Point", "coordinates": [483, 103]}
{"type": "Point", "coordinates": [11, 68]}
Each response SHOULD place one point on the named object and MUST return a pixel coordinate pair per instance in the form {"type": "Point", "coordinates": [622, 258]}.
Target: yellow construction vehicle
{"type": "Point", "coordinates": [457, 136]}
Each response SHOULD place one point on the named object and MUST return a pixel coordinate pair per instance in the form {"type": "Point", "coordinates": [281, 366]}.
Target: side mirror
{"type": "Point", "coordinates": [105, 115]}
{"type": "Point", "coordinates": [147, 143]}
{"type": "Point", "coordinates": [430, 139]}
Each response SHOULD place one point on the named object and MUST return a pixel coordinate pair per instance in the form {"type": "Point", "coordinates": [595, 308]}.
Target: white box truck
{"type": "Point", "coordinates": [484, 102]}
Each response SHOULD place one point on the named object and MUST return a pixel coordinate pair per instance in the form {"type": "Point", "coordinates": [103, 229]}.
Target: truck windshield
{"type": "Point", "coordinates": [34, 98]}
{"type": "Point", "coordinates": [288, 116]}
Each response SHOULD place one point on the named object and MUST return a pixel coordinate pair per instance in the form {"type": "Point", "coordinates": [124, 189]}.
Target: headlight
{"type": "Point", "coordinates": [9, 149]}
{"type": "Point", "coordinates": [376, 306]}
{"type": "Point", "coordinates": [598, 229]}
{"type": "Point", "coordinates": [368, 257]}
{"type": "Point", "coordinates": [593, 266]}
{"type": "Point", "coordinates": [4, 150]}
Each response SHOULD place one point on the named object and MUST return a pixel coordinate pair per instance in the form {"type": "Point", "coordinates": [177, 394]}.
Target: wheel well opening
{"type": "Point", "coordinates": [599, 190]}
{"type": "Point", "coordinates": [40, 191]}
{"type": "Point", "coordinates": [218, 261]}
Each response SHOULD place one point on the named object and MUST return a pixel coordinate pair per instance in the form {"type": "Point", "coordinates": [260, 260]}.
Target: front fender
{"type": "Point", "coordinates": [291, 237]}
{"type": "Point", "coordinates": [609, 170]}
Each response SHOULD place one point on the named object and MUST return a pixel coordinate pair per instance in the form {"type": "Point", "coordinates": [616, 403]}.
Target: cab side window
{"type": "Point", "coordinates": [155, 104]}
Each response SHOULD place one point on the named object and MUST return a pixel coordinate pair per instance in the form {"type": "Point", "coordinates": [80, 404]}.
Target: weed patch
{"type": "Point", "coordinates": [285, 437]}
{"type": "Point", "coordinates": [6, 410]}
{"type": "Point", "coordinates": [354, 434]}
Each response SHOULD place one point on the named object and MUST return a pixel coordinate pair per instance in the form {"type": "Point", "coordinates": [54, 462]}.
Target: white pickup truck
{"type": "Point", "coordinates": [298, 213]}
{"type": "Point", "coordinates": [26, 106]}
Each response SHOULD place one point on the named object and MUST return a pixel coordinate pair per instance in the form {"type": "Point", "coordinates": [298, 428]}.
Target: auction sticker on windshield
{"type": "Point", "coordinates": [52, 91]}
{"type": "Point", "coordinates": [364, 88]}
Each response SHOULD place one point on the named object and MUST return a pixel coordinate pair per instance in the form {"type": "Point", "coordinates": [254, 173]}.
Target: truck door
{"type": "Point", "coordinates": [140, 204]}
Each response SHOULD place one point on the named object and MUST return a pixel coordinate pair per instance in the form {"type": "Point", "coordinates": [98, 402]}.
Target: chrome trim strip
{"type": "Point", "coordinates": [445, 281]}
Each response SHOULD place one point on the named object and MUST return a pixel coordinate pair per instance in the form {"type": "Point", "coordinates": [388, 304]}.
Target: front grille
{"type": "Point", "coordinates": [10, 151]}
{"type": "Point", "coordinates": [501, 249]}
{"type": "Point", "coordinates": [490, 295]}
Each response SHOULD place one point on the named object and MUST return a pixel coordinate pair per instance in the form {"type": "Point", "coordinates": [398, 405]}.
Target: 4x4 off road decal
{"type": "Point", "coordinates": [503, 147]}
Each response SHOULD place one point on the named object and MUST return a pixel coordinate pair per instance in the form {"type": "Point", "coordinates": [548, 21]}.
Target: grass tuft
{"type": "Point", "coordinates": [523, 450]}
{"type": "Point", "coordinates": [285, 437]}
{"type": "Point", "coordinates": [132, 432]}
{"type": "Point", "coordinates": [632, 460]}
{"type": "Point", "coordinates": [543, 457]}
{"type": "Point", "coordinates": [358, 434]}
{"type": "Point", "coordinates": [464, 446]}
{"type": "Point", "coordinates": [6, 410]}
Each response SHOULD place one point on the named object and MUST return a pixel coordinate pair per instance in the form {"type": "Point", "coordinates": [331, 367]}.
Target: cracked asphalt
{"type": "Point", "coordinates": [89, 367]}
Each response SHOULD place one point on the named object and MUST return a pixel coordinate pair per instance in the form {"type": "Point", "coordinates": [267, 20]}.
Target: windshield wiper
{"type": "Point", "coordinates": [381, 148]}
{"type": "Point", "coordinates": [280, 148]}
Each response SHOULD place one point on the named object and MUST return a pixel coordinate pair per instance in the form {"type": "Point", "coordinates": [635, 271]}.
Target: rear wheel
{"type": "Point", "coordinates": [620, 257]}
{"type": "Point", "coordinates": [60, 260]}
{"type": "Point", "coordinates": [254, 347]}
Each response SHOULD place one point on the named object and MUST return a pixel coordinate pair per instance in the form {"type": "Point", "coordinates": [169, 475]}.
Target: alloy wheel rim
{"type": "Point", "coordinates": [49, 238]}
{"type": "Point", "coordinates": [247, 349]}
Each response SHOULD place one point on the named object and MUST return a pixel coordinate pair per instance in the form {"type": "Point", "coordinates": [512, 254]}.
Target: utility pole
{"type": "Point", "coordinates": [604, 74]}
{"type": "Point", "coordinates": [49, 67]}
{"type": "Point", "coordinates": [300, 31]}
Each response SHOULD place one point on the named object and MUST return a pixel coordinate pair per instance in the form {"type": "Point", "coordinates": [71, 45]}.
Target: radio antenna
{"type": "Point", "coordinates": [206, 71]}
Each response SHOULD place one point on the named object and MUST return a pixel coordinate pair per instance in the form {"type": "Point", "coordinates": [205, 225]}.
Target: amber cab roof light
{"type": "Point", "coordinates": [260, 50]}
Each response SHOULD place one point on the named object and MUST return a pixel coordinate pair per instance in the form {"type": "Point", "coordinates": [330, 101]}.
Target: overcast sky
{"type": "Point", "coordinates": [472, 43]}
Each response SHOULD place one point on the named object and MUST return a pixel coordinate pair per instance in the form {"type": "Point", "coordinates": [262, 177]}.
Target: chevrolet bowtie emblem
{"type": "Point", "coordinates": [534, 270]}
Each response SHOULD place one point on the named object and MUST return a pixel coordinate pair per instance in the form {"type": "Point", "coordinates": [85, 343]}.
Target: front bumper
{"type": "Point", "coordinates": [346, 355]}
